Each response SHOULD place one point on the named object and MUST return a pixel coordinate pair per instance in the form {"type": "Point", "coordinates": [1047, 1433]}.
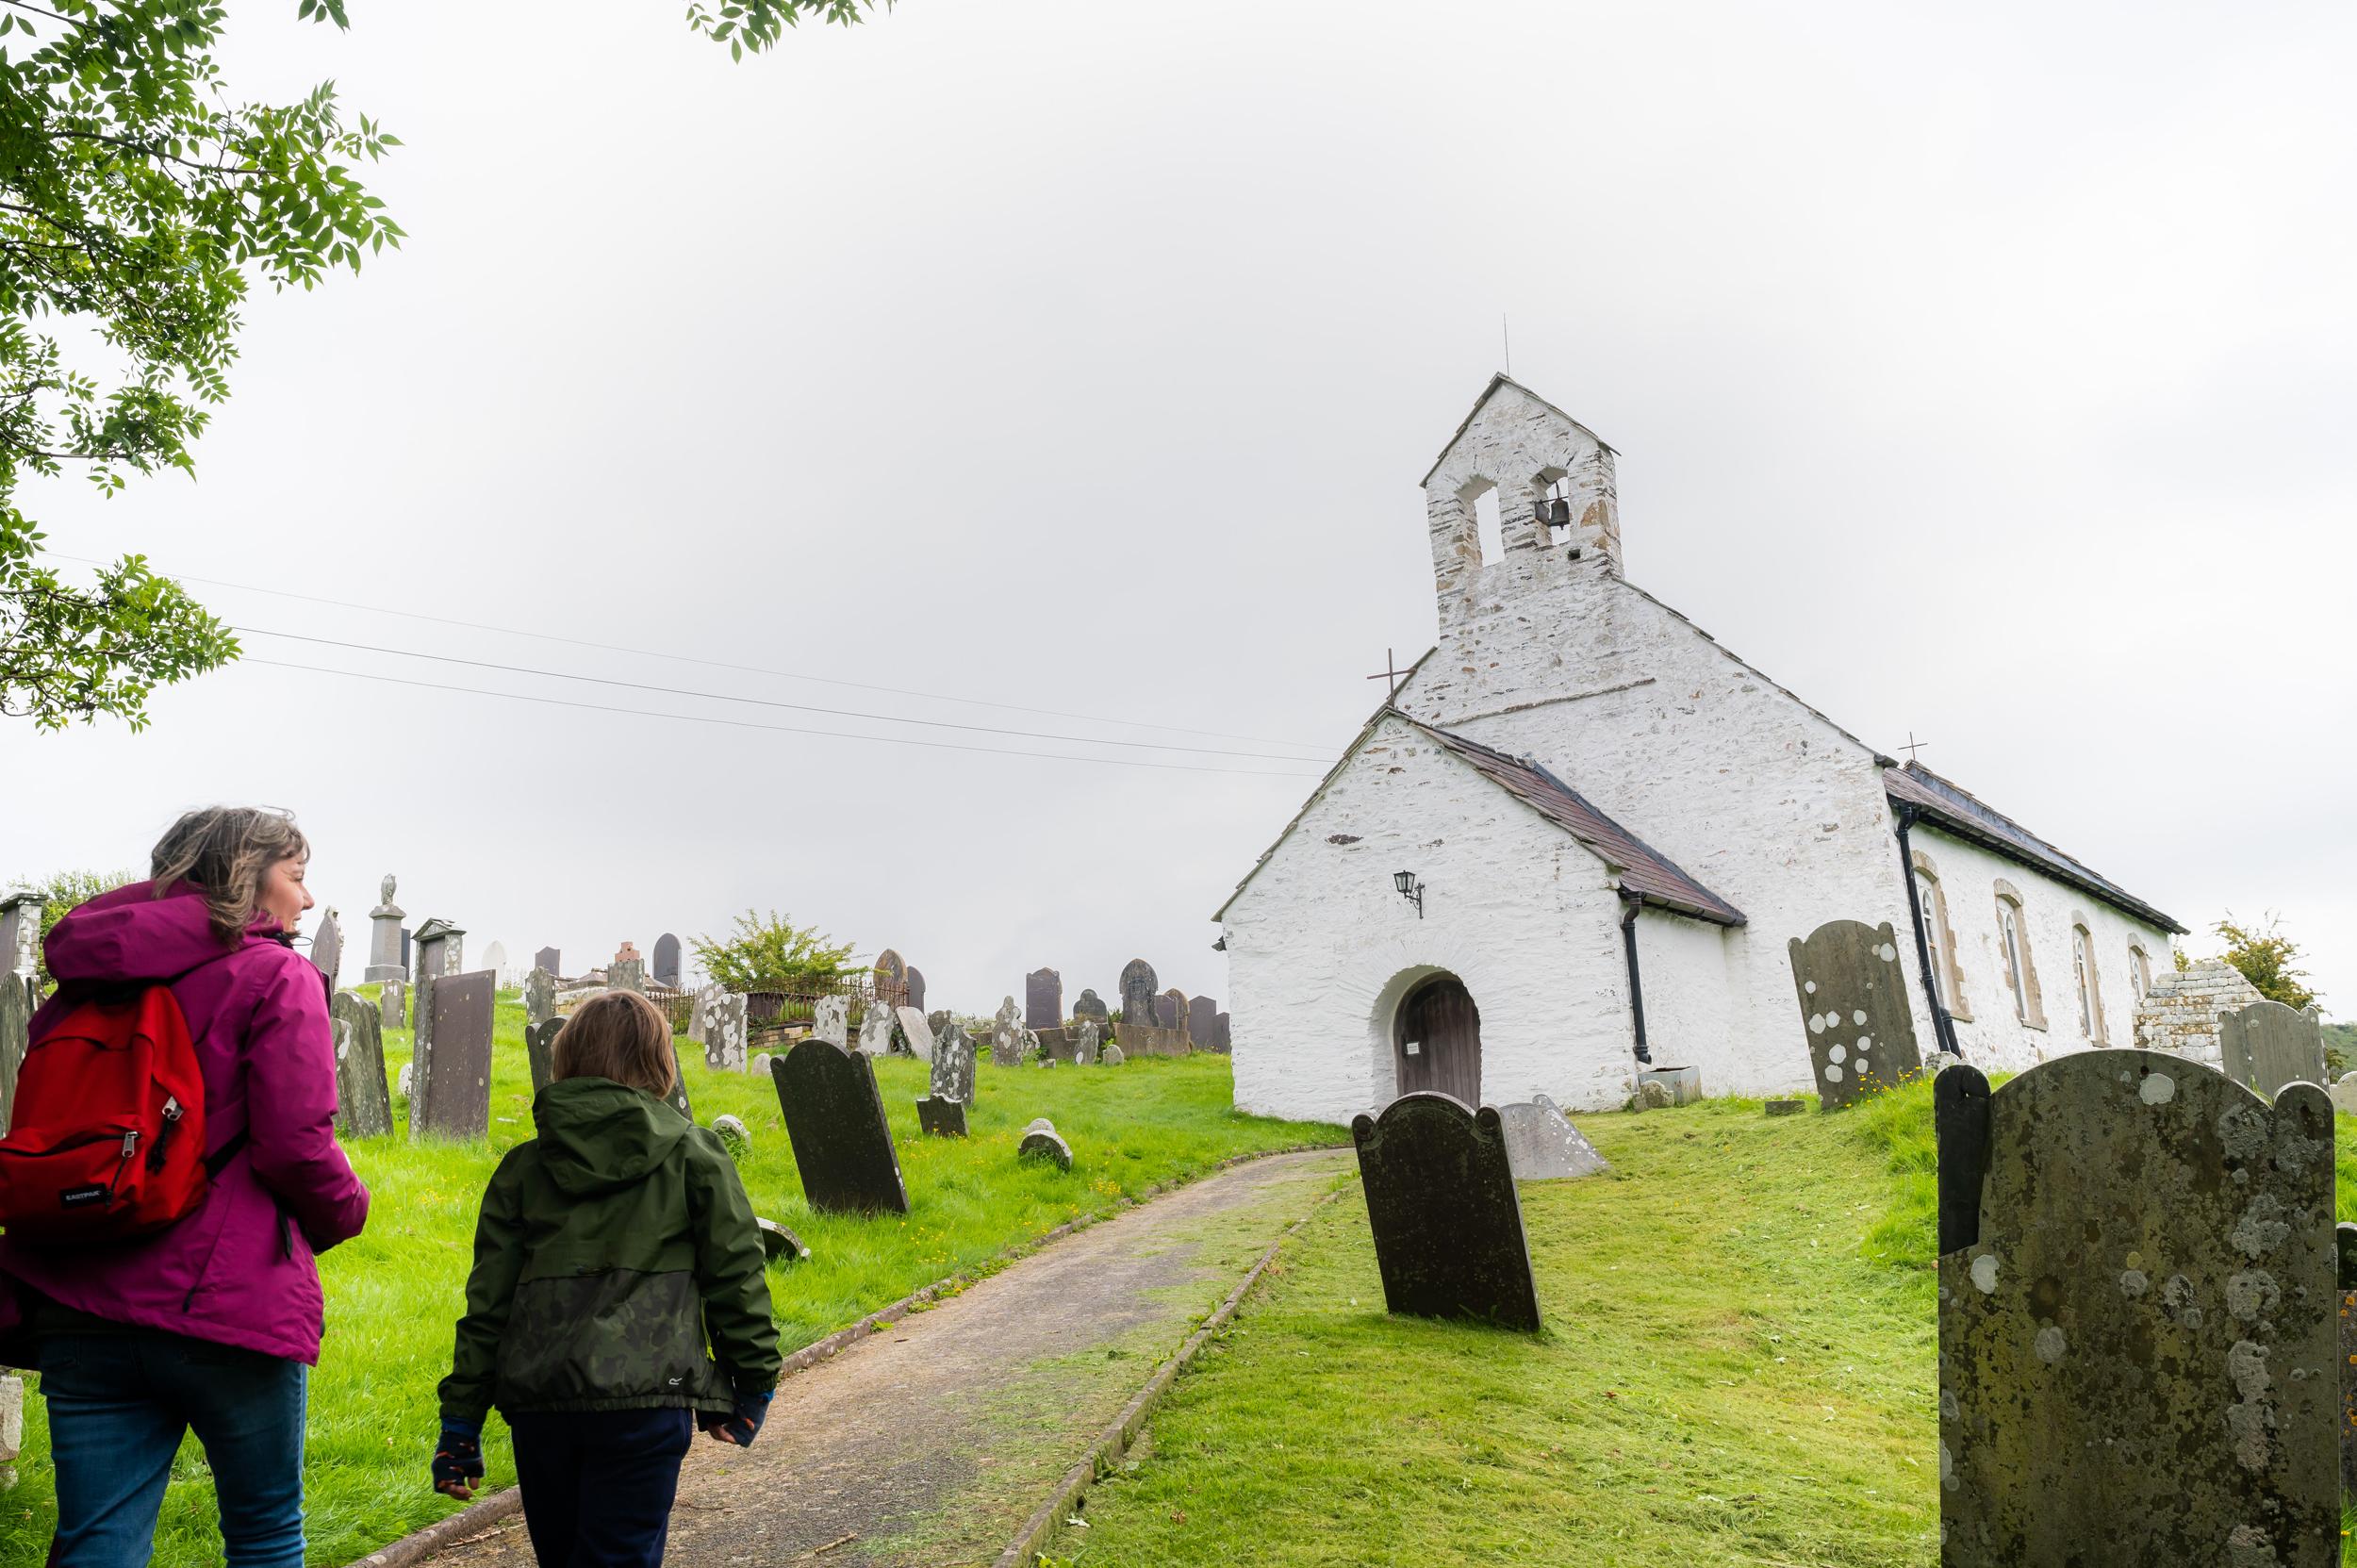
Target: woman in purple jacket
{"type": "Point", "coordinates": [214, 1323]}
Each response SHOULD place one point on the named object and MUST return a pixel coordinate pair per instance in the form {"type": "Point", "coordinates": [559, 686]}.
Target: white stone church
{"type": "Point", "coordinates": [1576, 839]}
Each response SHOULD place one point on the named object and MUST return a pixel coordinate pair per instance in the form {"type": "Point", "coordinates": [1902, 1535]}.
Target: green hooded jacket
{"type": "Point", "coordinates": [609, 1249]}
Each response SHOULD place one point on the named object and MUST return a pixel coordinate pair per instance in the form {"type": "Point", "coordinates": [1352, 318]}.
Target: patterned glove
{"type": "Point", "coordinates": [458, 1459]}
{"type": "Point", "coordinates": [739, 1426]}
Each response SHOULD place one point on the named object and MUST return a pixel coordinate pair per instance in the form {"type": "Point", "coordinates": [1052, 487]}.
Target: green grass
{"type": "Point", "coordinates": [393, 1293]}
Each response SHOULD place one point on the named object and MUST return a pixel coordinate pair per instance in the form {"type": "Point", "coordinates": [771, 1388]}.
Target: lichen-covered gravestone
{"type": "Point", "coordinates": [1043, 998]}
{"type": "Point", "coordinates": [875, 1030]}
{"type": "Point", "coordinates": [16, 1020]}
{"type": "Point", "coordinates": [327, 946]}
{"type": "Point", "coordinates": [1083, 1037]}
{"type": "Point", "coordinates": [1011, 1045]}
{"type": "Point", "coordinates": [1542, 1145]}
{"type": "Point", "coordinates": [1854, 998]}
{"type": "Point", "coordinates": [953, 1064]}
{"type": "Point", "coordinates": [1091, 1005]}
{"type": "Point", "coordinates": [540, 1051]}
{"type": "Point", "coordinates": [1447, 1221]}
{"type": "Point", "coordinates": [1111, 1056]}
{"type": "Point", "coordinates": [725, 1032]}
{"type": "Point", "coordinates": [539, 997]}
{"type": "Point", "coordinates": [364, 1107]}
{"type": "Point", "coordinates": [392, 1003]}
{"type": "Point", "coordinates": [1138, 984]}
{"type": "Point", "coordinates": [919, 1030]}
{"type": "Point", "coordinates": [2136, 1318]}
{"type": "Point", "coordinates": [830, 1020]}
{"type": "Point", "coordinates": [677, 1099]}
{"type": "Point", "coordinates": [451, 1095]}
{"type": "Point", "coordinates": [2267, 1045]}
{"type": "Point", "coordinates": [835, 1120]}
{"type": "Point", "coordinates": [1042, 1141]}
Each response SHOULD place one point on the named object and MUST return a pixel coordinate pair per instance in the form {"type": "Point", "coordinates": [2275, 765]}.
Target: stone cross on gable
{"type": "Point", "coordinates": [1391, 672]}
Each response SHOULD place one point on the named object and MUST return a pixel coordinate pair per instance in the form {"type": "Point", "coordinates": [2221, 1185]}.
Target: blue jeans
{"type": "Point", "coordinates": [118, 1405]}
{"type": "Point", "coordinates": [598, 1484]}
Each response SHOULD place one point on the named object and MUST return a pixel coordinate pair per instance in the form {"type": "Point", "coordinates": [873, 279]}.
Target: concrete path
{"type": "Point", "coordinates": [931, 1441]}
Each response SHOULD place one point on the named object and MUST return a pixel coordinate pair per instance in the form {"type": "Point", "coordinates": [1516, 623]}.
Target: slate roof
{"type": "Point", "coordinates": [1957, 811]}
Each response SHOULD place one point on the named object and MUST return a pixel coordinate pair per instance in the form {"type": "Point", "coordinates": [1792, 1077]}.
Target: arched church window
{"type": "Point", "coordinates": [1489, 523]}
{"type": "Point", "coordinates": [2013, 944]}
{"type": "Point", "coordinates": [2139, 971]}
{"type": "Point", "coordinates": [1939, 936]}
{"type": "Point", "coordinates": [2084, 977]}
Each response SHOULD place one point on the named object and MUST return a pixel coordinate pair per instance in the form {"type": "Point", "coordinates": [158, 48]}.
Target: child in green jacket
{"type": "Point", "coordinates": [608, 1249]}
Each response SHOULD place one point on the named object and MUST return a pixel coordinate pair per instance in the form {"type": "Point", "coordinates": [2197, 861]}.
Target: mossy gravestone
{"type": "Point", "coordinates": [16, 1021]}
{"type": "Point", "coordinates": [835, 1120]}
{"type": "Point", "coordinates": [1447, 1221]}
{"type": "Point", "coordinates": [364, 1108]}
{"type": "Point", "coordinates": [2137, 1358]}
{"type": "Point", "coordinates": [1854, 998]}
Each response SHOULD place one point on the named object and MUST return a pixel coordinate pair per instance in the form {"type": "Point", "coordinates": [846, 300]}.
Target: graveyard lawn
{"type": "Point", "coordinates": [393, 1295]}
{"type": "Point", "coordinates": [1738, 1367]}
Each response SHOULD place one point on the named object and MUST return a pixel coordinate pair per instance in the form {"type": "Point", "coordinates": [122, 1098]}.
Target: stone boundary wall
{"type": "Point", "coordinates": [2180, 1013]}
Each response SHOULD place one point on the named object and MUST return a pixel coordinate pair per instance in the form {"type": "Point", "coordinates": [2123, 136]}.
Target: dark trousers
{"type": "Point", "coordinates": [598, 1484]}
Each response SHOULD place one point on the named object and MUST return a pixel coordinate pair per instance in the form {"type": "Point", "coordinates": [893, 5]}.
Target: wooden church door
{"type": "Point", "coordinates": [1436, 1040]}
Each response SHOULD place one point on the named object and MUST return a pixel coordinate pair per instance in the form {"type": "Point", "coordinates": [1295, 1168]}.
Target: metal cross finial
{"type": "Point", "coordinates": [1913, 746]}
{"type": "Point", "coordinates": [1391, 672]}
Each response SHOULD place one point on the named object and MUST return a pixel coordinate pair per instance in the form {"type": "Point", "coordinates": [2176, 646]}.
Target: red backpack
{"type": "Point", "coordinates": [107, 1136]}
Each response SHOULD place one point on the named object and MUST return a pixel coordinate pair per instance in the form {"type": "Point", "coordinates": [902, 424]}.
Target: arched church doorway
{"type": "Point", "coordinates": [1436, 1040]}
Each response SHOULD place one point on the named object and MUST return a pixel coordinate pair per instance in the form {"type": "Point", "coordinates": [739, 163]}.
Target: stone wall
{"type": "Point", "coordinates": [2181, 1012]}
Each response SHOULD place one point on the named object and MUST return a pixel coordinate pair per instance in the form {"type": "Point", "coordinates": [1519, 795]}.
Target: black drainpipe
{"type": "Point", "coordinates": [1630, 904]}
{"type": "Point", "coordinates": [1943, 1026]}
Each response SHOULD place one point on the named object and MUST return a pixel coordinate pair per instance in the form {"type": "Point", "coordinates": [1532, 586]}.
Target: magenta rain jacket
{"type": "Point", "coordinates": [239, 1270]}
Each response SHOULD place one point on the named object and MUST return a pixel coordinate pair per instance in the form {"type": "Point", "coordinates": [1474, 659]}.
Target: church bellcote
{"type": "Point", "coordinates": [1521, 501]}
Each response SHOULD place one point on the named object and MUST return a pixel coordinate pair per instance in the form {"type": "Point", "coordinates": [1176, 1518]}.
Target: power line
{"type": "Point", "coordinates": [779, 729]}
{"type": "Point", "coordinates": [756, 702]}
{"type": "Point", "coordinates": [714, 663]}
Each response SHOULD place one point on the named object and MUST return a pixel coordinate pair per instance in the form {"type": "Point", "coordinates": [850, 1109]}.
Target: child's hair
{"type": "Point", "coordinates": [621, 1036]}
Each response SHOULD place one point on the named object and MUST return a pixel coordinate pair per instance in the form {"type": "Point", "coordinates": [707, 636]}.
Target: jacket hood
{"type": "Point", "coordinates": [597, 1134]}
{"type": "Point", "coordinates": [132, 934]}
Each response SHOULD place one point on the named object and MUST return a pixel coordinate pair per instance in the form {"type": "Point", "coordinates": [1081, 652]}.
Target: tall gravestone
{"type": "Point", "coordinates": [1138, 985]}
{"type": "Point", "coordinates": [1010, 1046]}
{"type": "Point", "coordinates": [1083, 1039]}
{"type": "Point", "coordinates": [726, 1033]}
{"type": "Point", "coordinates": [549, 959]}
{"type": "Point", "coordinates": [627, 971]}
{"type": "Point", "coordinates": [451, 1090]}
{"type": "Point", "coordinates": [942, 1111]}
{"type": "Point", "coordinates": [667, 961]}
{"type": "Point", "coordinates": [1221, 1042]}
{"type": "Point", "coordinates": [834, 1117]}
{"type": "Point", "coordinates": [539, 997]}
{"type": "Point", "coordinates": [2137, 1346]}
{"type": "Point", "coordinates": [920, 1033]}
{"type": "Point", "coordinates": [408, 960]}
{"type": "Point", "coordinates": [540, 1051]}
{"type": "Point", "coordinates": [20, 932]}
{"type": "Point", "coordinates": [1202, 1020]}
{"type": "Point", "coordinates": [495, 959]}
{"type": "Point", "coordinates": [441, 949]}
{"type": "Point", "coordinates": [2267, 1045]}
{"type": "Point", "coordinates": [327, 947]}
{"type": "Point", "coordinates": [893, 970]}
{"type": "Point", "coordinates": [1854, 999]}
{"type": "Point", "coordinates": [364, 1107]}
{"type": "Point", "coordinates": [392, 1003]}
{"type": "Point", "coordinates": [916, 988]}
{"type": "Point", "coordinates": [699, 1011]}
{"type": "Point", "coordinates": [1447, 1220]}
{"type": "Point", "coordinates": [1042, 999]}
{"type": "Point", "coordinates": [1091, 1005]}
{"type": "Point", "coordinates": [830, 1020]}
{"type": "Point", "coordinates": [389, 955]}
{"type": "Point", "coordinates": [875, 1030]}
{"type": "Point", "coordinates": [1166, 1013]}
{"type": "Point", "coordinates": [16, 1020]}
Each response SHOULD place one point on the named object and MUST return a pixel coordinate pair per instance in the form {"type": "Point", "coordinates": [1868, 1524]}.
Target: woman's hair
{"type": "Point", "coordinates": [229, 852]}
{"type": "Point", "coordinates": [621, 1036]}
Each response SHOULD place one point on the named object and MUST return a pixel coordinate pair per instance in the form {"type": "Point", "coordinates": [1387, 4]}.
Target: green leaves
{"type": "Point", "coordinates": [69, 653]}
{"type": "Point", "coordinates": [771, 954]}
{"type": "Point", "coordinates": [755, 25]}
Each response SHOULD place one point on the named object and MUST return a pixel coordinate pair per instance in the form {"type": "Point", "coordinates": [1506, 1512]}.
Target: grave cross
{"type": "Point", "coordinates": [1913, 746]}
{"type": "Point", "coordinates": [1393, 673]}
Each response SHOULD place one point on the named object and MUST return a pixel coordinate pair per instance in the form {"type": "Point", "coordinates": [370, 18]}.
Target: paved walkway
{"type": "Point", "coordinates": [929, 1443]}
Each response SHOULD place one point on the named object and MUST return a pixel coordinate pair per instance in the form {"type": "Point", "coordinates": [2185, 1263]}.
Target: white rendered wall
{"type": "Point", "coordinates": [1320, 947]}
{"type": "Point", "coordinates": [1689, 1000]}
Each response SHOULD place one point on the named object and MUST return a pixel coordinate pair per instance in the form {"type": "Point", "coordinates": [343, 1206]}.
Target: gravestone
{"type": "Point", "coordinates": [1202, 1020]}
{"type": "Point", "coordinates": [2137, 1336]}
{"type": "Point", "coordinates": [1042, 999]}
{"type": "Point", "coordinates": [2267, 1045]}
{"type": "Point", "coordinates": [404, 1082]}
{"type": "Point", "coordinates": [916, 990]}
{"type": "Point", "coordinates": [549, 959]}
{"type": "Point", "coordinates": [1009, 1045]}
{"type": "Point", "coordinates": [828, 1017]}
{"type": "Point", "coordinates": [667, 961]}
{"type": "Point", "coordinates": [1042, 1141]}
{"type": "Point", "coordinates": [1091, 1005]}
{"type": "Point", "coordinates": [495, 959]}
{"type": "Point", "coordinates": [953, 1064]}
{"type": "Point", "coordinates": [441, 949]}
{"type": "Point", "coordinates": [627, 970]}
{"type": "Point", "coordinates": [1542, 1145]}
{"type": "Point", "coordinates": [758, 1066]}
{"type": "Point", "coordinates": [1166, 1013]}
{"type": "Point", "coordinates": [941, 1118]}
{"type": "Point", "coordinates": [451, 1097]}
{"type": "Point", "coordinates": [540, 1051]}
{"type": "Point", "coordinates": [540, 997]}
{"type": "Point", "coordinates": [835, 1120]}
{"type": "Point", "coordinates": [1786, 1107]}
{"type": "Point", "coordinates": [1177, 1001]}
{"type": "Point", "coordinates": [1854, 998]}
{"type": "Point", "coordinates": [20, 932]}
{"type": "Point", "coordinates": [1138, 985]}
{"type": "Point", "coordinates": [364, 1108]}
{"type": "Point", "coordinates": [407, 959]}
{"type": "Point", "coordinates": [733, 1135]}
{"type": "Point", "coordinates": [894, 969]}
{"type": "Point", "coordinates": [677, 1100]}
{"type": "Point", "coordinates": [2345, 1095]}
{"type": "Point", "coordinates": [1111, 1057]}
{"type": "Point", "coordinates": [327, 947]}
{"type": "Point", "coordinates": [1447, 1221]}
{"type": "Point", "coordinates": [1083, 1037]}
{"type": "Point", "coordinates": [699, 1011]}
{"type": "Point", "coordinates": [726, 1033]}
{"type": "Point", "coordinates": [392, 1003]}
{"type": "Point", "coordinates": [779, 1244]}
{"type": "Point", "coordinates": [1221, 1044]}
{"type": "Point", "coordinates": [875, 1030]}
{"type": "Point", "coordinates": [920, 1031]}
{"type": "Point", "coordinates": [16, 1021]}
{"type": "Point", "coordinates": [388, 955]}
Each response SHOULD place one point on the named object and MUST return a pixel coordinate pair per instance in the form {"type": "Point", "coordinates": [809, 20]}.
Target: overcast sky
{"type": "Point", "coordinates": [1985, 372]}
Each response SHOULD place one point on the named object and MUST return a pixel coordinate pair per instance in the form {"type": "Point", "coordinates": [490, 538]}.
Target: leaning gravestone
{"type": "Point", "coordinates": [1091, 1005]}
{"type": "Point", "coordinates": [2136, 1337]}
{"type": "Point", "coordinates": [392, 1003]}
{"type": "Point", "coordinates": [953, 1064]}
{"type": "Point", "coordinates": [835, 1120]}
{"type": "Point", "coordinates": [539, 997]}
{"type": "Point", "coordinates": [16, 1020]}
{"type": "Point", "coordinates": [830, 1020]}
{"type": "Point", "coordinates": [1542, 1145]}
{"type": "Point", "coordinates": [540, 1051]}
{"type": "Point", "coordinates": [1853, 996]}
{"type": "Point", "coordinates": [327, 947]}
{"type": "Point", "coordinates": [667, 961]}
{"type": "Point", "coordinates": [1042, 999]}
{"type": "Point", "coordinates": [1447, 1221]}
{"type": "Point", "coordinates": [726, 1033]}
{"type": "Point", "coordinates": [364, 1108]}
{"type": "Point", "coordinates": [1138, 985]}
{"type": "Point", "coordinates": [920, 1033]}
{"type": "Point", "coordinates": [452, 1096]}
{"type": "Point", "coordinates": [2267, 1045]}
{"type": "Point", "coordinates": [875, 1030]}
{"type": "Point", "coordinates": [1202, 1020]}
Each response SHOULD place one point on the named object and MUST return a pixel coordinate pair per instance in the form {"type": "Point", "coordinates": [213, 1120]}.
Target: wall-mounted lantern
{"type": "Point", "coordinates": [1409, 889]}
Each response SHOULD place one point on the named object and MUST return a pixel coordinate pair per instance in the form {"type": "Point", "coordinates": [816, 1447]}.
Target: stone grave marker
{"type": "Point", "coordinates": [941, 1118]}
{"type": "Point", "coordinates": [540, 1051]}
{"type": "Point", "coordinates": [1787, 1107]}
{"type": "Point", "coordinates": [916, 988]}
{"type": "Point", "coordinates": [2345, 1236]}
{"type": "Point", "coordinates": [441, 949]}
{"type": "Point", "coordinates": [699, 1011]}
{"type": "Point", "coordinates": [779, 1244]}
{"type": "Point", "coordinates": [392, 1003]}
{"type": "Point", "coordinates": [1008, 1046]}
{"type": "Point", "coordinates": [1041, 1141]}
{"type": "Point", "coordinates": [667, 961]}
{"type": "Point", "coordinates": [1138, 985]}
{"type": "Point", "coordinates": [828, 1020]}
{"type": "Point", "coordinates": [758, 1066]}
{"type": "Point", "coordinates": [1221, 1045]}
{"type": "Point", "coordinates": [1091, 1005]}
{"type": "Point", "coordinates": [16, 1022]}
{"type": "Point", "coordinates": [875, 1030]}
{"type": "Point", "coordinates": [1447, 1221]}
{"type": "Point", "coordinates": [953, 1064]}
{"type": "Point", "coordinates": [835, 1120]}
{"type": "Point", "coordinates": [677, 1099]}
{"type": "Point", "coordinates": [1083, 1037]}
{"type": "Point", "coordinates": [388, 955]}
{"type": "Point", "coordinates": [627, 970]}
{"type": "Point", "coordinates": [892, 968]}
{"type": "Point", "coordinates": [451, 1097]}
{"type": "Point", "coordinates": [1202, 1020]}
{"type": "Point", "coordinates": [495, 959]}
{"type": "Point", "coordinates": [2267, 1045]}
{"type": "Point", "coordinates": [1042, 999]}
{"type": "Point", "coordinates": [1854, 998]}
{"type": "Point", "coordinates": [1178, 1016]}
{"type": "Point", "coordinates": [733, 1135]}
{"type": "Point", "coordinates": [408, 960]}
{"type": "Point", "coordinates": [1165, 1012]}
{"type": "Point", "coordinates": [549, 959]}
{"type": "Point", "coordinates": [726, 1032]}
{"type": "Point", "coordinates": [2345, 1095]}
{"type": "Point", "coordinates": [327, 947]}
{"type": "Point", "coordinates": [1542, 1145]}
{"type": "Point", "coordinates": [1111, 1057]}
{"type": "Point", "coordinates": [19, 932]}
{"type": "Point", "coordinates": [918, 1030]}
{"type": "Point", "coordinates": [2137, 1352]}
{"type": "Point", "coordinates": [364, 1107]}
{"type": "Point", "coordinates": [539, 997]}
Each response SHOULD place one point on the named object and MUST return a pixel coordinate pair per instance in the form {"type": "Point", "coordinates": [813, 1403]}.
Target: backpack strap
{"type": "Point", "coordinates": [219, 1159]}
